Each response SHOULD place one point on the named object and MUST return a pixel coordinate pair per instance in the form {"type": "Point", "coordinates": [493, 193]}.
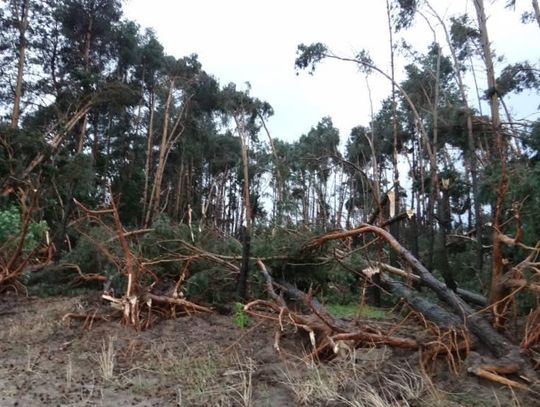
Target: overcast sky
{"type": "Point", "coordinates": [255, 41]}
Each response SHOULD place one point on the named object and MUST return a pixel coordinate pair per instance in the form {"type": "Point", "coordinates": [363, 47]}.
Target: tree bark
{"type": "Point", "coordinates": [148, 161]}
{"type": "Point", "coordinates": [155, 196]}
{"type": "Point", "coordinates": [22, 27]}
{"type": "Point", "coordinates": [396, 209]}
{"type": "Point", "coordinates": [496, 295]}
{"type": "Point", "coordinates": [246, 226]}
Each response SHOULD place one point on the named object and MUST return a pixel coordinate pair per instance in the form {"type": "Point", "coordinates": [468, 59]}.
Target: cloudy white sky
{"type": "Point", "coordinates": [255, 41]}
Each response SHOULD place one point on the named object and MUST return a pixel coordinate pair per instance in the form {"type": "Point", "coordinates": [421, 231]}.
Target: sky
{"type": "Point", "coordinates": [254, 41]}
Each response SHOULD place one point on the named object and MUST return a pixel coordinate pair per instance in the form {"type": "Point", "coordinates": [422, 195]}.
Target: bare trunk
{"type": "Point", "coordinates": [536, 11]}
{"type": "Point", "coordinates": [86, 59]}
{"type": "Point", "coordinates": [155, 196]}
{"type": "Point", "coordinates": [395, 227]}
{"type": "Point", "coordinates": [179, 190]}
{"type": "Point", "coordinates": [246, 227]}
{"type": "Point", "coordinates": [496, 295]}
{"type": "Point", "coordinates": [23, 26]}
{"type": "Point", "coordinates": [149, 153]}
{"type": "Point", "coordinates": [279, 177]}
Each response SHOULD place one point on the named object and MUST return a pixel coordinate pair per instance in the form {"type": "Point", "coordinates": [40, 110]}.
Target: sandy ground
{"type": "Point", "coordinates": [203, 360]}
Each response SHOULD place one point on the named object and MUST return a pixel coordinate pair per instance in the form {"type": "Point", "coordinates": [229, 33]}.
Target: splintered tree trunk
{"type": "Point", "coordinates": [152, 211]}
{"type": "Point", "coordinates": [280, 186]}
{"type": "Point", "coordinates": [246, 226]}
{"type": "Point", "coordinates": [441, 254]}
{"type": "Point", "coordinates": [497, 294]}
{"type": "Point", "coordinates": [395, 226]}
{"type": "Point", "coordinates": [149, 153]}
{"type": "Point", "coordinates": [23, 26]}
{"type": "Point", "coordinates": [56, 141]}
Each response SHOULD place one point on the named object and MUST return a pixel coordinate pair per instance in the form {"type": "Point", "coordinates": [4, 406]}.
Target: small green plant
{"type": "Point", "coordinates": [240, 318]}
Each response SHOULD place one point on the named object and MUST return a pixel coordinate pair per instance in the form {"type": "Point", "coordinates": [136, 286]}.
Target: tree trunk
{"type": "Point", "coordinates": [155, 195]}
{"type": "Point", "coordinates": [86, 59]}
{"type": "Point", "coordinates": [149, 154]}
{"type": "Point", "coordinates": [496, 295]}
{"type": "Point", "coordinates": [395, 226]}
{"type": "Point", "coordinates": [57, 140]}
{"type": "Point", "coordinates": [536, 11]}
{"type": "Point", "coordinates": [22, 26]}
{"type": "Point", "coordinates": [470, 154]}
{"type": "Point", "coordinates": [246, 226]}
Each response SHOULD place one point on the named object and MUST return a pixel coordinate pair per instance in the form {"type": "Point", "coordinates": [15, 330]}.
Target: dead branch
{"type": "Point", "coordinates": [376, 339]}
{"type": "Point", "coordinates": [177, 301]}
{"type": "Point", "coordinates": [486, 374]}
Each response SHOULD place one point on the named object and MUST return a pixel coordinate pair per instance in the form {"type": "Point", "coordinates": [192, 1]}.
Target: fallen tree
{"type": "Point", "coordinates": [473, 321]}
{"type": "Point", "coordinates": [328, 335]}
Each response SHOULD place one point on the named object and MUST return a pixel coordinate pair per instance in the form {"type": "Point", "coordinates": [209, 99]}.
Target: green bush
{"type": "Point", "coordinates": [11, 225]}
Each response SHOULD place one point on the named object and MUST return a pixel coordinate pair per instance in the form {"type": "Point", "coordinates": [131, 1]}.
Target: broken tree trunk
{"type": "Point", "coordinates": [497, 344]}
{"type": "Point", "coordinates": [469, 296]}
{"type": "Point", "coordinates": [328, 335]}
{"type": "Point", "coordinates": [430, 310]}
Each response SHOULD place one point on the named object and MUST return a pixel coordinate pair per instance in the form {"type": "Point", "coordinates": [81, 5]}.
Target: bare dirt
{"type": "Point", "coordinates": [204, 360]}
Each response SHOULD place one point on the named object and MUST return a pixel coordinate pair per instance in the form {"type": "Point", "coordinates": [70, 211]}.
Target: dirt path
{"type": "Point", "coordinates": [202, 360]}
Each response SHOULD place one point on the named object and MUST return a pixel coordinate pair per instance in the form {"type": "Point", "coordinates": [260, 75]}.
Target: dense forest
{"type": "Point", "coordinates": [137, 174]}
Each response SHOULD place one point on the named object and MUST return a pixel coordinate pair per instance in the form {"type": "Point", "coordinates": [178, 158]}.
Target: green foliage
{"type": "Point", "coordinates": [308, 56]}
{"type": "Point", "coordinates": [404, 12]}
{"type": "Point", "coordinates": [11, 229]}
{"type": "Point", "coordinates": [240, 318]}
{"type": "Point", "coordinates": [464, 36]}
{"type": "Point", "coordinates": [518, 78]}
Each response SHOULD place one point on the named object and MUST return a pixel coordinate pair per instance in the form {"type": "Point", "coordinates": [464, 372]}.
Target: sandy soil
{"type": "Point", "coordinates": [202, 360]}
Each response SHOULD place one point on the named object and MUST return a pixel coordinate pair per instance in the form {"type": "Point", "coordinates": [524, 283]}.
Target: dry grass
{"type": "Point", "coordinates": [204, 377]}
{"type": "Point", "coordinates": [351, 385]}
{"type": "Point", "coordinates": [69, 373]}
{"type": "Point", "coordinates": [106, 359]}
{"type": "Point", "coordinates": [243, 390]}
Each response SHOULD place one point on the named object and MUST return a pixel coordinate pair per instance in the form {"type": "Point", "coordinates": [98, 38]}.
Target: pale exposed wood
{"type": "Point", "coordinates": [485, 374]}
{"type": "Point", "coordinates": [57, 139]}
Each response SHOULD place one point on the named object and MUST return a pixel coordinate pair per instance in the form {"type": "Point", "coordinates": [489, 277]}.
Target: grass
{"type": "Point", "coordinates": [106, 359]}
{"type": "Point", "coordinates": [352, 310]}
{"type": "Point", "coordinates": [349, 385]}
{"type": "Point", "coordinates": [204, 376]}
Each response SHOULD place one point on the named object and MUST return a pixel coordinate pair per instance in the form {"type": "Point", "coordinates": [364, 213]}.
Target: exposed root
{"type": "Point", "coordinates": [326, 333]}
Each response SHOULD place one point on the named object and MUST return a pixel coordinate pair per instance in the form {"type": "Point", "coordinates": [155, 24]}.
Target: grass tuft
{"type": "Point", "coordinates": [352, 310]}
